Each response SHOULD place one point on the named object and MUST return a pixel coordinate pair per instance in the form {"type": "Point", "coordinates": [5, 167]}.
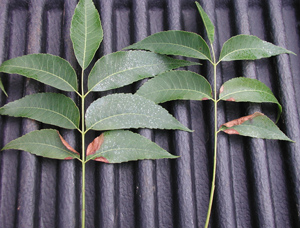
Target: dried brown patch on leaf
{"type": "Point", "coordinates": [222, 89]}
{"type": "Point", "coordinates": [101, 159]}
{"type": "Point", "coordinates": [205, 99]}
{"type": "Point", "coordinates": [241, 120]}
{"type": "Point", "coordinates": [95, 145]}
{"type": "Point", "coordinates": [68, 158]}
{"type": "Point", "coordinates": [231, 132]}
{"type": "Point", "coordinates": [67, 144]}
{"type": "Point", "coordinates": [230, 99]}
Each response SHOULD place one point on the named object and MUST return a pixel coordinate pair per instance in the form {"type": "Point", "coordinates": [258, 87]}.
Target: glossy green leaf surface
{"type": "Point", "coordinates": [247, 47]}
{"type": "Point", "coordinates": [86, 32]}
{"type": "Point", "coordinates": [247, 90]}
{"type": "Point", "coordinates": [46, 143]}
{"type": "Point", "coordinates": [48, 69]}
{"type": "Point", "coordinates": [123, 68]}
{"type": "Point", "coordinates": [50, 108]}
{"type": "Point", "coordinates": [122, 146]}
{"type": "Point", "coordinates": [210, 28]}
{"type": "Point", "coordinates": [122, 111]}
{"type": "Point", "coordinates": [175, 42]}
{"type": "Point", "coordinates": [256, 125]}
{"type": "Point", "coordinates": [176, 85]}
{"type": "Point", "coordinates": [2, 87]}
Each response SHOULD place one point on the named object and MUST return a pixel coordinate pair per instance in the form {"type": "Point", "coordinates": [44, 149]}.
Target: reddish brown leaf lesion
{"type": "Point", "coordinates": [66, 144]}
{"type": "Point", "coordinates": [222, 89]}
{"type": "Point", "coordinates": [95, 145]}
{"type": "Point", "coordinates": [239, 121]}
{"type": "Point", "coordinates": [230, 99]}
{"type": "Point", "coordinates": [101, 159]}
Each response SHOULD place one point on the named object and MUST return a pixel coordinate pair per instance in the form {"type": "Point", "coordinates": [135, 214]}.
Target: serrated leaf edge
{"type": "Point", "coordinates": [48, 110]}
{"type": "Point", "coordinates": [62, 79]}
{"type": "Point", "coordinates": [129, 47]}
{"type": "Point", "coordinates": [6, 147]}
{"type": "Point", "coordinates": [209, 96]}
{"type": "Point", "coordinates": [287, 51]}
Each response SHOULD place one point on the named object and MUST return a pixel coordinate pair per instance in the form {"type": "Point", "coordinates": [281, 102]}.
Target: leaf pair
{"type": "Point", "coordinates": [188, 44]}
{"type": "Point", "coordinates": [118, 146]}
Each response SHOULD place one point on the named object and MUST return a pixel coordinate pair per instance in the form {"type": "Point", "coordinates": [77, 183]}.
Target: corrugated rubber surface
{"type": "Point", "coordinates": [258, 181]}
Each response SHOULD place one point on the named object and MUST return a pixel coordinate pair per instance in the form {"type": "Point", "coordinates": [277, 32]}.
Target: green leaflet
{"type": "Point", "coordinates": [123, 68]}
{"type": "Point", "coordinates": [175, 42]}
{"type": "Point", "coordinates": [247, 47]}
{"type": "Point", "coordinates": [247, 90]}
{"type": "Point", "coordinates": [46, 143]}
{"type": "Point", "coordinates": [123, 111]}
{"type": "Point", "coordinates": [256, 125]}
{"type": "Point", "coordinates": [49, 69]}
{"type": "Point", "coordinates": [50, 108]}
{"type": "Point", "coordinates": [2, 87]}
{"type": "Point", "coordinates": [122, 146]}
{"type": "Point", "coordinates": [210, 28]}
{"type": "Point", "coordinates": [86, 32]}
{"type": "Point", "coordinates": [176, 85]}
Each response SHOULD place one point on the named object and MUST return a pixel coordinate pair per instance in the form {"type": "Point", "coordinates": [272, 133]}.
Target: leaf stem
{"type": "Point", "coordinates": [83, 151]}
{"type": "Point", "coordinates": [213, 184]}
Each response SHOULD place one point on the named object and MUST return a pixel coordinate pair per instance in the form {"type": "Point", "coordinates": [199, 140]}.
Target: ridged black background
{"type": "Point", "coordinates": [258, 181]}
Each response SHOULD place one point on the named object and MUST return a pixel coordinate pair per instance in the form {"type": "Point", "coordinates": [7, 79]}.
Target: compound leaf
{"type": "Point", "coordinates": [210, 28]}
{"type": "Point", "coordinates": [46, 143]}
{"type": "Point", "coordinates": [122, 146]}
{"type": "Point", "coordinates": [86, 32]}
{"type": "Point", "coordinates": [121, 111]}
{"type": "Point", "coordinates": [247, 90]}
{"type": "Point", "coordinates": [247, 47]}
{"type": "Point", "coordinates": [176, 85]}
{"type": "Point", "coordinates": [175, 42]}
{"type": "Point", "coordinates": [49, 69]}
{"type": "Point", "coordinates": [50, 108]}
{"type": "Point", "coordinates": [123, 68]}
{"type": "Point", "coordinates": [256, 125]}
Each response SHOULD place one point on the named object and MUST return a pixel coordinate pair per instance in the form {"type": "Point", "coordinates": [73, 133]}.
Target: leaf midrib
{"type": "Point", "coordinates": [123, 114]}
{"type": "Point", "coordinates": [125, 148]}
{"type": "Point", "coordinates": [244, 125]}
{"type": "Point", "coordinates": [122, 71]}
{"type": "Point", "coordinates": [228, 94]}
{"type": "Point", "coordinates": [39, 70]}
{"type": "Point", "coordinates": [42, 144]}
{"type": "Point", "coordinates": [242, 49]}
{"type": "Point", "coordinates": [190, 90]}
{"type": "Point", "coordinates": [85, 37]}
{"type": "Point", "coordinates": [44, 109]}
{"type": "Point", "coordinates": [159, 43]}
